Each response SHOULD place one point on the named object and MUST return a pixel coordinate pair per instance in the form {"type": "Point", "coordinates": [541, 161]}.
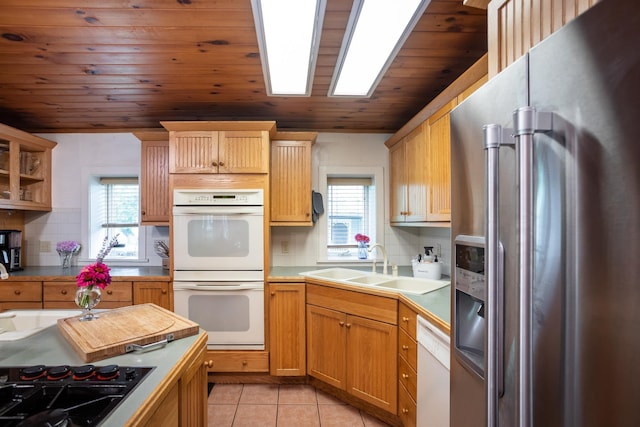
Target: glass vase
{"type": "Point", "coordinates": [363, 250]}
{"type": "Point", "coordinates": [87, 297]}
{"type": "Point", "coordinates": [65, 259]}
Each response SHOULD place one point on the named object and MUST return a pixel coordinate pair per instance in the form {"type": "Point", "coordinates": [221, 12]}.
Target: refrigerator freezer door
{"type": "Point", "coordinates": [493, 103]}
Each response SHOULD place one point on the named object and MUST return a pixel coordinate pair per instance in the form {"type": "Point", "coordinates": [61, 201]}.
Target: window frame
{"type": "Point", "coordinates": [91, 177]}
{"type": "Point", "coordinates": [376, 173]}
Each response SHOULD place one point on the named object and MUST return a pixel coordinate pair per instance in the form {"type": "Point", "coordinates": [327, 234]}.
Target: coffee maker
{"type": "Point", "coordinates": [11, 249]}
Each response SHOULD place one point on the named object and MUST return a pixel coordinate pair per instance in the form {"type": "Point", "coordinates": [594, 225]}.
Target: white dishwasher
{"type": "Point", "coordinates": [433, 376]}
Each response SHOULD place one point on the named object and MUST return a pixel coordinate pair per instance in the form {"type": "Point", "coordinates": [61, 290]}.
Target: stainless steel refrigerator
{"type": "Point", "coordinates": [546, 233]}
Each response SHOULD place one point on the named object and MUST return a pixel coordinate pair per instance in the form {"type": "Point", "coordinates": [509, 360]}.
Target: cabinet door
{"type": "Point", "coordinates": [287, 329]}
{"type": "Point", "coordinates": [193, 393]}
{"type": "Point", "coordinates": [193, 152]}
{"type": "Point", "coordinates": [326, 343]}
{"type": "Point", "coordinates": [416, 174]}
{"type": "Point", "coordinates": [243, 152]}
{"type": "Point", "coordinates": [439, 158]}
{"type": "Point", "coordinates": [397, 184]}
{"type": "Point", "coordinates": [372, 361]}
{"type": "Point", "coordinates": [154, 183]}
{"type": "Point", "coordinates": [291, 182]}
{"type": "Point", "coordinates": [158, 293]}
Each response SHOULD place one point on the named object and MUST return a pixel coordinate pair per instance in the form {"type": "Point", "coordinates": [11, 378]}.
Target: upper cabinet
{"type": "Point", "coordinates": [409, 178]}
{"type": "Point", "coordinates": [154, 178]}
{"type": "Point", "coordinates": [25, 170]}
{"type": "Point", "coordinates": [290, 177]}
{"type": "Point", "coordinates": [219, 147]}
{"type": "Point", "coordinates": [420, 158]}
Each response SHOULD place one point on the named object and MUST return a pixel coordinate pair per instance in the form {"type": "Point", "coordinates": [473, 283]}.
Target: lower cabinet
{"type": "Point", "coordinates": [20, 295]}
{"type": "Point", "coordinates": [351, 343]}
{"type": "Point", "coordinates": [253, 361]}
{"type": "Point", "coordinates": [157, 292]}
{"type": "Point", "coordinates": [61, 295]}
{"type": "Point", "coordinates": [407, 365]}
{"type": "Point", "coordinates": [287, 351]}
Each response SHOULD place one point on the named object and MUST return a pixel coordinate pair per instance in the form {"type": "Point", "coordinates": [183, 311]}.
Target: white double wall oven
{"type": "Point", "coordinates": [218, 265]}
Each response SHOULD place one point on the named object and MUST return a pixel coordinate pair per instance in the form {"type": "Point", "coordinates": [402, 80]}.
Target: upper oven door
{"type": "Point", "coordinates": [218, 238]}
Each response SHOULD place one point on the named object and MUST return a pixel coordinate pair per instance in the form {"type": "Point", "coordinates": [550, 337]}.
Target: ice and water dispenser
{"type": "Point", "coordinates": [469, 306]}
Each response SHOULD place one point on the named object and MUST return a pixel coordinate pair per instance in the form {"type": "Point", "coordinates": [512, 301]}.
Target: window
{"type": "Point", "coordinates": [353, 204]}
{"type": "Point", "coordinates": [114, 210]}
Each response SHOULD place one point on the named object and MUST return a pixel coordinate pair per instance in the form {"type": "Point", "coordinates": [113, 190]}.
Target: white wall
{"type": "Point", "coordinates": [76, 153]}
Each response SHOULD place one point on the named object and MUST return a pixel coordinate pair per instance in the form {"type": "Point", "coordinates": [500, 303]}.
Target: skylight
{"type": "Point", "coordinates": [375, 33]}
{"type": "Point", "coordinates": [288, 37]}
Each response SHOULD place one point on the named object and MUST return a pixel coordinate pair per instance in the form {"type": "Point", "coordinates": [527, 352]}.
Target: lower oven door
{"type": "Point", "coordinates": [232, 313]}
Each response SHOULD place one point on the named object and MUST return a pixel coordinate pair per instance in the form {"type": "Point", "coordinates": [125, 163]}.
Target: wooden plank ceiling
{"type": "Point", "coordinates": [86, 65]}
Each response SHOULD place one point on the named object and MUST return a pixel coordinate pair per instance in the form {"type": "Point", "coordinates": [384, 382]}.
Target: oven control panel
{"type": "Point", "coordinates": [222, 197]}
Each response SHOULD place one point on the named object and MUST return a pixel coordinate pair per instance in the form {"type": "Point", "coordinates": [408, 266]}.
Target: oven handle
{"type": "Point", "coordinates": [195, 286]}
{"type": "Point", "coordinates": [218, 210]}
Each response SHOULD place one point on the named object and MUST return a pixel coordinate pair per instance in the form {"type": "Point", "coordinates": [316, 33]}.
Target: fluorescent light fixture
{"type": "Point", "coordinates": [288, 37]}
{"type": "Point", "coordinates": [376, 31]}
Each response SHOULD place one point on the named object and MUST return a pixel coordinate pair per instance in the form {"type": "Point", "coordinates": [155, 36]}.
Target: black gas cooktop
{"type": "Point", "coordinates": [64, 396]}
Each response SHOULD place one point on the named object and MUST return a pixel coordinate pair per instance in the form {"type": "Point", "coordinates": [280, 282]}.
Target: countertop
{"type": "Point", "coordinates": [117, 273]}
{"type": "Point", "coordinates": [436, 303]}
{"type": "Point", "coordinates": [49, 347]}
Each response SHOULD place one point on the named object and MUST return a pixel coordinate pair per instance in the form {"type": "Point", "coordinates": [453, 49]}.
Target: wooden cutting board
{"type": "Point", "coordinates": [115, 330]}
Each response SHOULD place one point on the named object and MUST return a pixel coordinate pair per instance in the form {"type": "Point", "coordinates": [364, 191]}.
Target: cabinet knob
{"type": "Point", "coordinates": [405, 376]}
{"type": "Point", "coordinates": [405, 411]}
{"type": "Point", "coordinates": [348, 325]}
{"type": "Point", "coordinates": [244, 363]}
{"type": "Point", "coordinates": [164, 291]}
{"type": "Point", "coordinates": [273, 294]}
{"type": "Point", "coordinates": [405, 347]}
{"type": "Point", "coordinates": [63, 292]}
{"type": "Point", "coordinates": [220, 163]}
{"type": "Point", "coordinates": [405, 319]}
{"type": "Point", "coordinates": [17, 292]}
{"type": "Point", "coordinates": [214, 163]}
{"type": "Point", "coordinates": [208, 364]}
{"type": "Point", "coordinates": [109, 292]}
{"type": "Point", "coordinates": [143, 213]}
{"type": "Point", "coordinates": [341, 323]}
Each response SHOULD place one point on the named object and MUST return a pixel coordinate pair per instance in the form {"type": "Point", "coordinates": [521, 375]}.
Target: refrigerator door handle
{"type": "Point", "coordinates": [494, 137]}
{"type": "Point", "coordinates": [527, 121]}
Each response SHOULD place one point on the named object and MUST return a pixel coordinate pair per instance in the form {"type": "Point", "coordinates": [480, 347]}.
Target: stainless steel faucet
{"type": "Point", "coordinates": [384, 255]}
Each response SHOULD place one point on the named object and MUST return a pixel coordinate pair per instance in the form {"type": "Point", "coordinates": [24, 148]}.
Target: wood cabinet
{"type": "Point", "coordinates": [237, 361]}
{"type": "Point", "coordinates": [155, 202]}
{"type": "Point", "coordinates": [62, 295]}
{"type": "Point", "coordinates": [351, 335]}
{"type": "Point", "coordinates": [219, 147]}
{"type": "Point", "coordinates": [287, 329]}
{"type": "Point", "coordinates": [291, 179]}
{"type": "Point", "coordinates": [25, 170]}
{"type": "Point", "coordinates": [408, 177]}
{"type": "Point", "coordinates": [20, 295]}
{"type": "Point", "coordinates": [193, 392]}
{"type": "Point", "coordinates": [513, 28]}
{"type": "Point", "coordinates": [156, 292]}
{"type": "Point", "coordinates": [407, 365]}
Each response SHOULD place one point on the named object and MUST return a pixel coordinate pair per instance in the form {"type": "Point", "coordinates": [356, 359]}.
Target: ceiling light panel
{"type": "Point", "coordinates": [288, 36]}
{"type": "Point", "coordinates": [376, 31]}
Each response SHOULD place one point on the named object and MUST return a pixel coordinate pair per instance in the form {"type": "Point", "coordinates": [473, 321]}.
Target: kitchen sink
{"type": "Point", "coordinates": [413, 285]}
{"type": "Point", "coordinates": [19, 324]}
{"type": "Point", "coordinates": [335, 273]}
{"type": "Point", "coordinates": [348, 276]}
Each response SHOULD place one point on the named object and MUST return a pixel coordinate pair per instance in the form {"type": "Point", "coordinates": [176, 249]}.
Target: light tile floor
{"type": "Point", "coordinates": [270, 405]}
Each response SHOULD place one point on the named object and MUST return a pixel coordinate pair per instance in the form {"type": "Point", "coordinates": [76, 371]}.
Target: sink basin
{"type": "Point", "coordinates": [20, 324]}
{"type": "Point", "coordinates": [412, 285]}
{"type": "Point", "coordinates": [334, 273]}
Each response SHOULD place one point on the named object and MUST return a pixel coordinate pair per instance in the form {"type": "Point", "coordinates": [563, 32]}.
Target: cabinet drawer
{"type": "Point", "coordinates": [21, 291]}
{"type": "Point", "coordinates": [407, 319]}
{"type": "Point", "coordinates": [64, 305]}
{"type": "Point", "coordinates": [408, 377]}
{"type": "Point", "coordinates": [360, 304]}
{"type": "Point", "coordinates": [238, 361]}
{"type": "Point", "coordinates": [407, 408]}
{"type": "Point", "coordinates": [66, 291]}
{"type": "Point", "coordinates": [408, 348]}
